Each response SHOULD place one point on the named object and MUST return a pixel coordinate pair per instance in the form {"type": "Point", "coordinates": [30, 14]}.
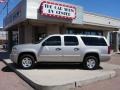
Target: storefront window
{"type": "Point", "coordinates": [15, 38]}
{"type": "Point", "coordinates": [119, 40]}
{"type": "Point", "coordinates": [84, 32]}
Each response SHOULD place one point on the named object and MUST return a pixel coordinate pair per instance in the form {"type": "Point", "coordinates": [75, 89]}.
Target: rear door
{"type": "Point", "coordinates": [71, 49]}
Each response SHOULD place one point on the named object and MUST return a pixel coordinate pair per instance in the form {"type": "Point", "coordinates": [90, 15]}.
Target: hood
{"type": "Point", "coordinates": [21, 46]}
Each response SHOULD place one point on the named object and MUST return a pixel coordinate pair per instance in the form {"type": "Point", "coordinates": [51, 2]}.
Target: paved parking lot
{"type": "Point", "coordinates": [8, 79]}
{"type": "Point", "coordinates": [115, 59]}
{"type": "Point", "coordinates": [18, 84]}
{"type": "Point", "coordinates": [61, 77]}
{"type": "Point", "coordinates": [111, 84]}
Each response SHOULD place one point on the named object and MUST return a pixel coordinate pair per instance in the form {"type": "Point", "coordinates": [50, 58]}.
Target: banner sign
{"type": "Point", "coordinates": [58, 10]}
{"type": "Point", "coordinates": [2, 1]}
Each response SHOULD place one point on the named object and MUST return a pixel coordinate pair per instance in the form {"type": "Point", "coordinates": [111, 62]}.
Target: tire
{"type": "Point", "coordinates": [91, 63]}
{"type": "Point", "coordinates": [26, 61]}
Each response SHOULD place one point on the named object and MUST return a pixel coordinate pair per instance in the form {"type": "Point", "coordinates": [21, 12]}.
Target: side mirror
{"type": "Point", "coordinates": [43, 44]}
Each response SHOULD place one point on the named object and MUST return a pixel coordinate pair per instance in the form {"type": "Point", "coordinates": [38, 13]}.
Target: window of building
{"type": "Point", "coordinates": [94, 41]}
{"type": "Point", "coordinates": [83, 32]}
{"type": "Point", "coordinates": [70, 41]}
{"type": "Point", "coordinates": [118, 41]}
{"type": "Point", "coordinates": [15, 38]}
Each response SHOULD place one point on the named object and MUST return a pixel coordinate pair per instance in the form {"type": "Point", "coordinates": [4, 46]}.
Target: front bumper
{"type": "Point", "coordinates": [14, 57]}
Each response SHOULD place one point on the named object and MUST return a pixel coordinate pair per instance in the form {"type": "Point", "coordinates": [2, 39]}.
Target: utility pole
{"type": "Point", "coordinates": [7, 4]}
{"type": "Point", "coordinates": [7, 7]}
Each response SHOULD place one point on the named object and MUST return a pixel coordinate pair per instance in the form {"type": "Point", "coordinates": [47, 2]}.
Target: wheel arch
{"type": "Point", "coordinates": [92, 54]}
{"type": "Point", "coordinates": [29, 53]}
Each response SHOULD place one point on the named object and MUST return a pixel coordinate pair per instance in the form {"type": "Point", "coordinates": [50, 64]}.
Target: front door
{"type": "Point", "coordinates": [51, 50]}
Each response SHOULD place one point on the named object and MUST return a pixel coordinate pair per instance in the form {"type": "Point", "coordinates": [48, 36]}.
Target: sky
{"type": "Point", "coordinates": [104, 7]}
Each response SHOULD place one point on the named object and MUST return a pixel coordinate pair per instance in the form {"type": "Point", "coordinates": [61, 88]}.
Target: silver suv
{"type": "Point", "coordinates": [88, 49]}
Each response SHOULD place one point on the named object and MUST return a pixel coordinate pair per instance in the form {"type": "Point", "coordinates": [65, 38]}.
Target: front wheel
{"type": "Point", "coordinates": [27, 61]}
{"type": "Point", "coordinates": [91, 62]}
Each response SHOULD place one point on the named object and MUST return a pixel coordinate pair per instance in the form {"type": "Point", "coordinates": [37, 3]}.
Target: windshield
{"type": "Point", "coordinates": [40, 39]}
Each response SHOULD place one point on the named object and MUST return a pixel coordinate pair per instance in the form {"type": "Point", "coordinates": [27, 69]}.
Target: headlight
{"type": "Point", "coordinates": [14, 49]}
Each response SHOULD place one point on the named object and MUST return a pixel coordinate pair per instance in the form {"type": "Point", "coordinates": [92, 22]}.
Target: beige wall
{"type": "Point", "coordinates": [100, 20]}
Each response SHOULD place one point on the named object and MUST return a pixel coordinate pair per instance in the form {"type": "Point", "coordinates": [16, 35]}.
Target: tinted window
{"type": "Point", "coordinates": [53, 41]}
{"type": "Point", "coordinates": [70, 40]}
{"type": "Point", "coordinates": [94, 41]}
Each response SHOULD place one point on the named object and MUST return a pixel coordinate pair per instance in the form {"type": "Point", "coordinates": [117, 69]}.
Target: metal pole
{"type": "Point", "coordinates": [7, 6]}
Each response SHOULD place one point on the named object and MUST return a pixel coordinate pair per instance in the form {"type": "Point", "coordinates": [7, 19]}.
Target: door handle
{"type": "Point", "coordinates": [76, 49]}
{"type": "Point", "coordinates": [58, 49]}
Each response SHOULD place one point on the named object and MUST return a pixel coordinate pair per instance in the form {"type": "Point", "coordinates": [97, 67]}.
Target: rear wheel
{"type": "Point", "coordinates": [91, 62]}
{"type": "Point", "coordinates": [26, 61]}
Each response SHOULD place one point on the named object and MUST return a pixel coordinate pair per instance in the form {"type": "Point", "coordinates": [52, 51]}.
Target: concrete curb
{"type": "Point", "coordinates": [105, 77]}
{"type": "Point", "coordinates": [39, 87]}
{"type": "Point", "coordinates": [68, 86]}
{"type": "Point", "coordinates": [21, 76]}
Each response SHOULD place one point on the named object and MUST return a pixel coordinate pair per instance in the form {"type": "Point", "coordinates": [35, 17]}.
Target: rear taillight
{"type": "Point", "coordinates": [109, 49]}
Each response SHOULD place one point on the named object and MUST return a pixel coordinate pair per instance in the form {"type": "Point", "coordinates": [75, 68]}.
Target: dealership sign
{"type": "Point", "coordinates": [58, 10]}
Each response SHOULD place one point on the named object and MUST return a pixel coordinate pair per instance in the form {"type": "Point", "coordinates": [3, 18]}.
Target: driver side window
{"type": "Point", "coordinates": [53, 41]}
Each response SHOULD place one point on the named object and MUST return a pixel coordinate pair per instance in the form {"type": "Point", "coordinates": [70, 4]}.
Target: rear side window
{"type": "Point", "coordinates": [70, 41]}
{"type": "Point", "coordinates": [94, 41]}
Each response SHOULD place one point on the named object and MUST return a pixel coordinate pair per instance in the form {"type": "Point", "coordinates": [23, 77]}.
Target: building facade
{"type": "Point", "coordinates": [31, 20]}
